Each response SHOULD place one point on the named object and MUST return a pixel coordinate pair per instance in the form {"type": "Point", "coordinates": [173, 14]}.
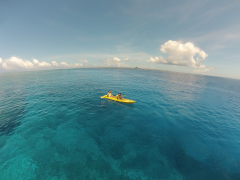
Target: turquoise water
{"type": "Point", "coordinates": [54, 125]}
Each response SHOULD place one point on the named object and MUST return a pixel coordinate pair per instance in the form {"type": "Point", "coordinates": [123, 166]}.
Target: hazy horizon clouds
{"type": "Point", "coordinates": [194, 36]}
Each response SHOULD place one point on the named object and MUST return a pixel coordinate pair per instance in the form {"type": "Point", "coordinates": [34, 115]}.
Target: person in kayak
{"type": "Point", "coordinates": [119, 96]}
{"type": "Point", "coordinates": [109, 94]}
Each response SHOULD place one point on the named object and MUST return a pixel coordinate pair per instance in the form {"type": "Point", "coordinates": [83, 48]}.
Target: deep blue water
{"type": "Point", "coordinates": [54, 125]}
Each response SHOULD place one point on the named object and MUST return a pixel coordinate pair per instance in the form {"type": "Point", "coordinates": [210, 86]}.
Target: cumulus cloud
{"type": "Point", "coordinates": [114, 62]}
{"type": "Point", "coordinates": [77, 64]}
{"type": "Point", "coordinates": [54, 63]}
{"type": "Point", "coordinates": [126, 59]}
{"type": "Point", "coordinates": [16, 64]}
{"type": "Point", "coordinates": [181, 54]}
{"type": "Point", "coordinates": [83, 60]}
{"type": "Point", "coordinates": [64, 64]}
{"type": "Point", "coordinates": [41, 64]}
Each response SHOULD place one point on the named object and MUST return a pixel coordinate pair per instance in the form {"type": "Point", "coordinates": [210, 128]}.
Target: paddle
{"type": "Point", "coordinates": [122, 98]}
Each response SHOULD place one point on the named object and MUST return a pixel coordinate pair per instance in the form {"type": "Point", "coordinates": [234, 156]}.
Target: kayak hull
{"type": "Point", "coordinates": [114, 98]}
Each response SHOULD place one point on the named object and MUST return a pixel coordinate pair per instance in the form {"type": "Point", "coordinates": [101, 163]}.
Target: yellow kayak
{"type": "Point", "coordinates": [127, 101]}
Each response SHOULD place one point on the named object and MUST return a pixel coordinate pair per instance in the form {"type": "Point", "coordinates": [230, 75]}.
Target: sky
{"type": "Point", "coordinates": [200, 36]}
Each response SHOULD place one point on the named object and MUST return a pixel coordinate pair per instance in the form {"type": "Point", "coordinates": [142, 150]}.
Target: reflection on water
{"type": "Point", "coordinates": [54, 125]}
{"type": "Point", "coordinates": [179, 87]}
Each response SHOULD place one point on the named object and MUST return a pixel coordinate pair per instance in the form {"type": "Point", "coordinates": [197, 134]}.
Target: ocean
{"type": "Point", "coordinates": [55, 126]}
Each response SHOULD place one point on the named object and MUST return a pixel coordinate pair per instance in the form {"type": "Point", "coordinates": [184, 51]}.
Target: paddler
{"type": "Point", "coordinates": [119, 96]}
{"type": "Point", "coordinates": [109, 94]}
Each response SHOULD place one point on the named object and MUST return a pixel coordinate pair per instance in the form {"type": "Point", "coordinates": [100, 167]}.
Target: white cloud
{"type": "Point", "coordinates": [41, 64]}
{"type": "Point", "coordinates": [181, 55]}
{"type": "Point", "coordinates": [64, 64]}
{"type": "Point", "coordinates": [77, 64]}
{"type": "Point", "coordinates": [83, 60]}
{"type": "Point", "coordinates": [114, 62]}
{"type": "Point", "coordinates": [202, 70]}
{"type": "Point", "coordinates": [115, 59]}
{"type": "Point", "coordinates": [126, 59]}
{"type": "Point", "coordinates": [54, 63]}
{"type": "Point", "coordinates": [15, 64]}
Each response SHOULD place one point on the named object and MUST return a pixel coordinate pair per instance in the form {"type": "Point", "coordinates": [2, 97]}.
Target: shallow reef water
{"type": "Point", "coordinates": [54, 125]}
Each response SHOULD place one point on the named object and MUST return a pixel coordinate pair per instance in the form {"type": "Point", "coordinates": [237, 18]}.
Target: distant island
{"type": "Point", "coordinates": [119, 68]}
{"type": "Point", "coordinates": [137, 68]}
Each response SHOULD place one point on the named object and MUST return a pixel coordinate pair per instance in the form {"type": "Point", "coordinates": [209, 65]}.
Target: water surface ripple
{"type": "Point", "coordinates": [53, 125]}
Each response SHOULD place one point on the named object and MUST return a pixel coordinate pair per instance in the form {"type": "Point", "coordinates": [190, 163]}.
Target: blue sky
{"type": "Point", "coordinates": [39, 34]}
